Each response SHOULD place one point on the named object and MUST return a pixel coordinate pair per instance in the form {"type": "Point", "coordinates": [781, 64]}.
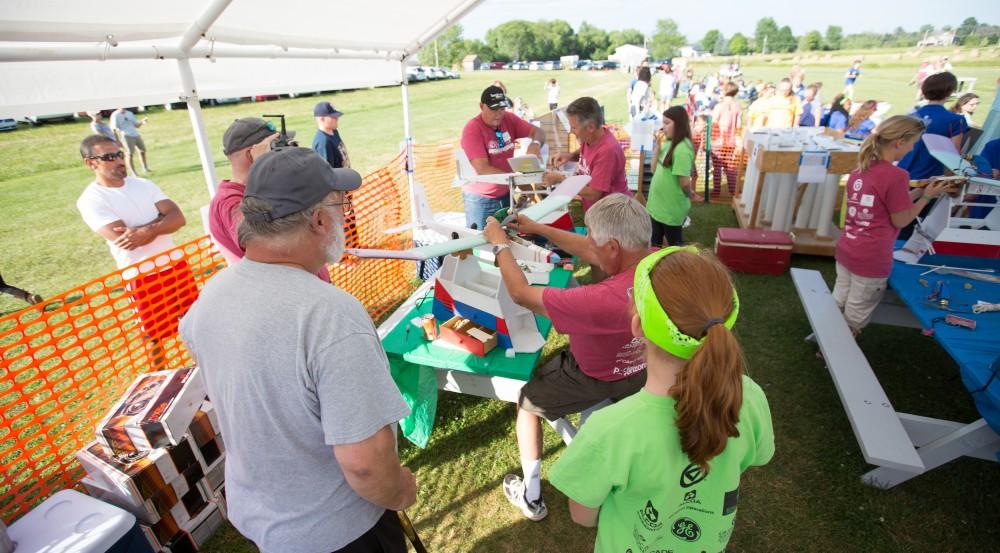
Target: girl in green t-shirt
{"type": "Point", "coordinates": [670, 190]}
{"type": "Point", "coordinates": [660, 470]}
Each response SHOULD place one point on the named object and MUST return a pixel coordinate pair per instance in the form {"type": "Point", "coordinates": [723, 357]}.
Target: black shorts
{"type": "Point", "coordinates": [385, 537]}
{"type": "Point", "coordinates": [559, 388]}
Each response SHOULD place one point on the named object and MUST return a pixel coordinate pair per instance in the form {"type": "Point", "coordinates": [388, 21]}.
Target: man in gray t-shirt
{"type": "Point", "coordinates": [297, 374]}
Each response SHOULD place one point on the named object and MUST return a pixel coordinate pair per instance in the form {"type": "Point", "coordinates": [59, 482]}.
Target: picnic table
{"type": "Point", "coordinates": [903, 445]}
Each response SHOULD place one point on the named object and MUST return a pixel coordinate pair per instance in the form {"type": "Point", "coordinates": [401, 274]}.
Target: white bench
{"type": "Point", "coordinates": [900, 444]}
{"type": "Point", "coordinates": [882, 437]}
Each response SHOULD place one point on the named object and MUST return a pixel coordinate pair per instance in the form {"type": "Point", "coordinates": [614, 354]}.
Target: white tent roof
{"type": "Point", "coordinates": [66, 55]}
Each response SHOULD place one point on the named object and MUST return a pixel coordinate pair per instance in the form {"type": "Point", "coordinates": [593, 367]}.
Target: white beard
{"type": "Point", "coordinates": [335, 249]}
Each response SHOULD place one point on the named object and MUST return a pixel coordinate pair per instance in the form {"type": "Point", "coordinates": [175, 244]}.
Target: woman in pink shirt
{"type": "Point", "coordinates": [879, 203]}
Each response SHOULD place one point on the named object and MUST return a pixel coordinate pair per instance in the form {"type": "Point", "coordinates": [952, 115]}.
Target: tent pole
{"type": "Point", "coordinates": [190, 96]}
{"type": "Point", "coordinates": [408, 138]}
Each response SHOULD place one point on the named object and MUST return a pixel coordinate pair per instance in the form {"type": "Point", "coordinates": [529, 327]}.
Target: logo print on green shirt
{"type": "Point", "coordinates": [650, 517]}
{"type": "Point", "coordinates": [686, 529]}
{"type": "Point", "coordinates": [691, 475]}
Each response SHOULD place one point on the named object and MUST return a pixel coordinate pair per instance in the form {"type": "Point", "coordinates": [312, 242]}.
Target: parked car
{"type": "Point", "coordinates": [8, 124]}
{"type": "Point", "coordinates": [436, 73]}
{"type": "Point", "coordinates": [597, 65]}
{"type": "Point", "coordinates": [518, 65]}
{"type": "Point", "coordinates": [415, 74]}
{"type": "Point", "coordinates": [452, 74]}
{"type": "Point", "coordinates": [39, 119]}
{"type": "Point", "coordinates": [583, 65]}
{"type": "Point", "coordinates": [608, 65]}
{"type": "Point", "coordinates": [535, 65]}
{"type": "Point", "coordinates": [431, 75]}
{"type": "Point", "coordinates": [498, 65]}
{"type": "Point", "coordinates": [220, 101]}
{"type": "Point", "coordinates": [552, 65]}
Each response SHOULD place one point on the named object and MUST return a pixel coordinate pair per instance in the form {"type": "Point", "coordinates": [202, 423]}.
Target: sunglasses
{"type": "Point", "coordinates": [500, 139]}
{"type": "Point", "coordinates": [110, 157]}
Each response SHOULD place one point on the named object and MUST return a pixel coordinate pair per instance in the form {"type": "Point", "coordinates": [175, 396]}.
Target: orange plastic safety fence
{"type": "Point", "coordinates": [435, 170]}
{"type": "Point", "coordinates": [378, 205]}
{"type": "Point", "coordinates": [728, 164]}
{"type": "Point", "coordinates": [66, 360]}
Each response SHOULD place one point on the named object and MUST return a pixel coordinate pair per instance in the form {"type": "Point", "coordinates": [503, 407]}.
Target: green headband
{"type": "Point", "coordinates": [656, 325]}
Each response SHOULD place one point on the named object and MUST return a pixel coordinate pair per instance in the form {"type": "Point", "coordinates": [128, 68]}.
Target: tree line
{"type": "Point", "coordinates": [548, 40]}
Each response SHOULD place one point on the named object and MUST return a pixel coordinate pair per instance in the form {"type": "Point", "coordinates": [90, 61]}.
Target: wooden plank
{"type": "Point", "coordinates": [882, 437]}
{"type": "Point", "coordinates": [756, 200]}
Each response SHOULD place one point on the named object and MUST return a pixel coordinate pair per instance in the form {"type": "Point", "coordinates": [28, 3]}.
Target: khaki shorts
{"type": "Point", "coordinates": [857, 296]}
{"type": "Point", "coordinates": [134, 143]}
{"type": "Point", "coordinates": [559, 388]}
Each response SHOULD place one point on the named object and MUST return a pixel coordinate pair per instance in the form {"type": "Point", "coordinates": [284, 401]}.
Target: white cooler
{"type": "Point", "coordinates": [71, 522]}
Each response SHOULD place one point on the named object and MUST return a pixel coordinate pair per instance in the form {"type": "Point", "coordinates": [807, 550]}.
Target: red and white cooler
{"type": "Point", "coordinates": [758, 251]}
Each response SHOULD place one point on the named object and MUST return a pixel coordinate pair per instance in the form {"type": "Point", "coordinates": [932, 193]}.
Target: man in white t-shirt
{"type": "Point", "coordinates": [667, 84]}
{"type": "Point", "coordinates": [132, 214]}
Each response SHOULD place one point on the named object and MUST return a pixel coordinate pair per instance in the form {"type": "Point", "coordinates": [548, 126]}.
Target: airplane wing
{"type": "Point", "coordinates": [429, 251]}
{"type": "Point", "coordinates": [943, 150]}
{"type": "Point", "coordinates": [558, 198]}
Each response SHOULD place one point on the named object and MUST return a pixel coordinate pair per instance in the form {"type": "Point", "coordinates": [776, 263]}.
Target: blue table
{"type": "Point", "coordinates": [975, 351]}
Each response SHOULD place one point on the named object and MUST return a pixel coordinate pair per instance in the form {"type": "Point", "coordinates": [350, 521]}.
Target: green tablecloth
{"type": "Point", "coordinates": [412, 360]}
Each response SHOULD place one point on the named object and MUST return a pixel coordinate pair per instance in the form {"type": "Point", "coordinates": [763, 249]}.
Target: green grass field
{"type": "Point", "coordinates": [809, 498]}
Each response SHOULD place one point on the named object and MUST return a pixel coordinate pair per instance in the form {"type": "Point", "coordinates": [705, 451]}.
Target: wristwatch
{"type": "Point", "coordinates": [536, 141]}
{"type": "Point", "coordinates": [500, 247]}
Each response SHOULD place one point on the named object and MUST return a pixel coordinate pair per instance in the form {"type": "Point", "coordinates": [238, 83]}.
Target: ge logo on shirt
{"type": "Point", "coordinates": [686, 529]}
{"type": "Point", "coordinates": [691, 475]}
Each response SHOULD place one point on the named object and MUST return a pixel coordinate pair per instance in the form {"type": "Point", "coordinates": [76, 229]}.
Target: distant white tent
{"type": "Point", "coordinates": [61, 56]}
{"type": "Point", "coordinates": [629, 56]}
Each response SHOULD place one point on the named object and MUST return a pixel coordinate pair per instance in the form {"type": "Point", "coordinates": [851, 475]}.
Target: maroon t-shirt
{"type": "Point", "coordinates": [224, 215]}
{"type": "Point", "coordinates": [865, 246]}
{"type": "Point", "coordinates": [481, 141]}
{"type": "Point", "coordinates": [597, 319]}
{"type": "Point", "coordinates": [604, 161]}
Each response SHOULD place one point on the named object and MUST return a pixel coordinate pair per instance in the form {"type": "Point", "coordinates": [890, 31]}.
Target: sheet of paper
{"type": "Point", "coordinates": [813, 166]}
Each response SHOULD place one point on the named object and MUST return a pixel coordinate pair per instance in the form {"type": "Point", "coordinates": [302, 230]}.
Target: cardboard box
{"type": "Point", "coordinates": [209, 446]}
{"type": "Point", "coordinates": [144, 475]}
{"type": "Point", "coordinates": [195, 534]}
{"type": "Point", "coordinates": [469, 336]}
{"type": "Point", "coordinates": [156, 411]}
{"type": "Point", "coordinates": [182, 500]}
{"type": "Point", "coordinates": [767, 252]}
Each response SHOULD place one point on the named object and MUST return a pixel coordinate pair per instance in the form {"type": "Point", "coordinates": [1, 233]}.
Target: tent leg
{"type": "Point", "coordinates": [190, 96]}
{"type": "Point", "coordinates": [408, 138]}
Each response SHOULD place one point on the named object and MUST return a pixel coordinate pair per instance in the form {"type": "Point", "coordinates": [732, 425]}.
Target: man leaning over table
{"type": "Point", "coordinates": [605, 361]}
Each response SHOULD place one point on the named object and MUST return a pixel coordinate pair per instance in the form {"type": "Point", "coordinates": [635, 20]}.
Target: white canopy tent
{"type": "Point", "coordinates": [61, 56]}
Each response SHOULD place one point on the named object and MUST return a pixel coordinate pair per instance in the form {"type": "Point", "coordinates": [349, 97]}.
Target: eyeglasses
{"type": "Point", "coordinates": [345, 205]}
{"type": "Point", "coordinates": [110, 157]}
{"type": "Point", "coordinates": [499, 135]}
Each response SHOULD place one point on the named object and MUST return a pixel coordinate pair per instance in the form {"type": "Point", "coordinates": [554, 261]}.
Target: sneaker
{"type": "Point", "coordinates": [513, 488]}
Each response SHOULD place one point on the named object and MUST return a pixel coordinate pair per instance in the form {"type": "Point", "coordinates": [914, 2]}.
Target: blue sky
{"type": "Point", "coordinates": [731, 16]}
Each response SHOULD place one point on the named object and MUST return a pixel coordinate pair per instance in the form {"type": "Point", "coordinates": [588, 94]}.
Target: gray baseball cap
{"type": "Point", "coordinates": [245, 132]}
{"type": "Point", "coordinates": [294, 179]}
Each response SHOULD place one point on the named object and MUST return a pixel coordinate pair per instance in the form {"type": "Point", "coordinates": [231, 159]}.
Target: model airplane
{"type": "Point", "coordinates": [951, 227]}
{"type": "Point", "coordinates": [466, 239]}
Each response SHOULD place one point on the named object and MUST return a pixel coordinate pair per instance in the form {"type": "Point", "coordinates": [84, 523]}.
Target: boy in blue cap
{"type": "Point", "coordinates": [327, 142]}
